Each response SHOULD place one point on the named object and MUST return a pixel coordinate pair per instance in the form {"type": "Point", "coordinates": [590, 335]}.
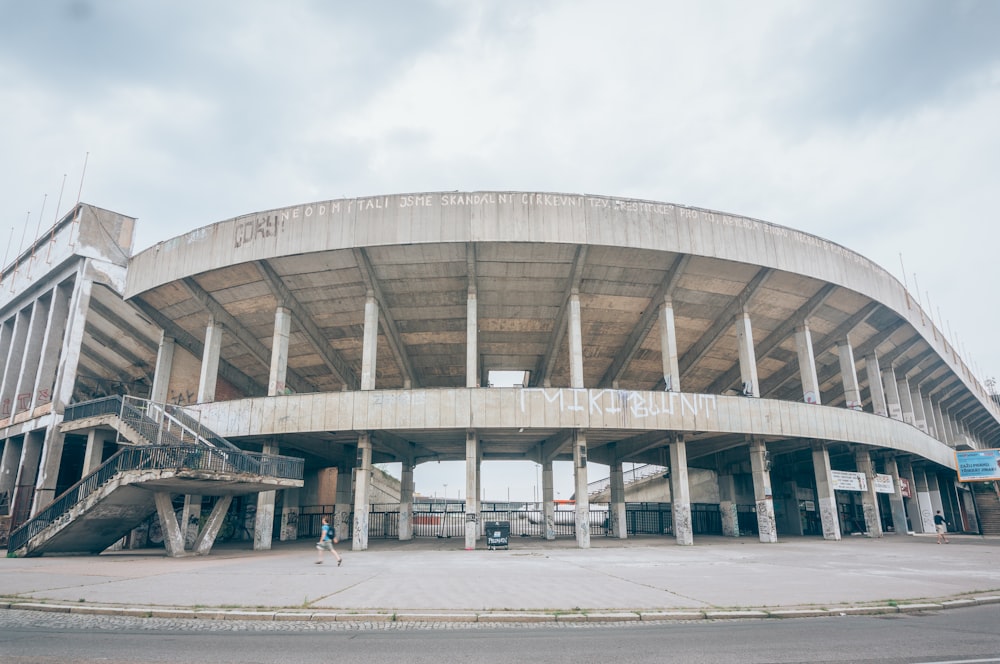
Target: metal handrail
{"type": "Point", "coordinates": [630, 476]}
{"type": "Point", "coordinates": [156, 457]}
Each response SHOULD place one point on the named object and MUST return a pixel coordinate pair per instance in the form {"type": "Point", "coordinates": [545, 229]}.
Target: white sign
{"type": "Point", "coordinates": [844, 480]}
{"type": "Point", "coordinates": [883, 484]}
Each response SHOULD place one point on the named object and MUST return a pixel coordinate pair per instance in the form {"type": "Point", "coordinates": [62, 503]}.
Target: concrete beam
{"type": "Point", "coordinates": [333, 361]}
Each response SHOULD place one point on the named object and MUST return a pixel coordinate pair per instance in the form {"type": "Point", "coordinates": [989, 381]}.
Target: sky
{"type": "Point", "coordinates": [871, 123]}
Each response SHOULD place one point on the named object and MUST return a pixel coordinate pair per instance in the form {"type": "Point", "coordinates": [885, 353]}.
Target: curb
{"type": "Point", "coordinates": [595, 617]}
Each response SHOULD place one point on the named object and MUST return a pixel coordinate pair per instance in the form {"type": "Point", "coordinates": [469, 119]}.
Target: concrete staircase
{"type": "Point", "coordinates": [168, 454]}
{"type": "Point", "coordinates": [988, 506]}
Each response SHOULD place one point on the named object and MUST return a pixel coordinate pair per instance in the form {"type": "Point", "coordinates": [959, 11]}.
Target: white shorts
{"type": "Point", "coordinates": [940, 528]}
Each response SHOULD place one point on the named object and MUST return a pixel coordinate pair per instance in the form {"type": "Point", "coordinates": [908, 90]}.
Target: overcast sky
{"type": "Point", "coordinates": [874, 124]}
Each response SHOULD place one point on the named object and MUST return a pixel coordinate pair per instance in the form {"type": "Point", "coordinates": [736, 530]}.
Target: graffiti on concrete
{"type": "Point", "coordinates": [637, 404]}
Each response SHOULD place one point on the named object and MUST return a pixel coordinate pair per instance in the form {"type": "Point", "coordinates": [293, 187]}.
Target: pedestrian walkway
{"type": "Point", "coordinates": [534, 580]}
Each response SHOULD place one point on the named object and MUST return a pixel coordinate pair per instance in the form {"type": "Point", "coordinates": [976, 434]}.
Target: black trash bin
{"type": "Point", "coordinates": [497, 534]}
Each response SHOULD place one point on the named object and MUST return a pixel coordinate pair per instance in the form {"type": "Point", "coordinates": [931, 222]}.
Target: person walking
{"type": "Point", "coordinates": [941, 526]}
{"type": "Point", "coordinates": [326, 541]}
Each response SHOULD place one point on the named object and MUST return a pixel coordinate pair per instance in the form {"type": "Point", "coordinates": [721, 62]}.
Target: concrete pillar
{"type": "Point", "coordinates": [217, 517]}
{"type": "Point", "coordinates": [807, 365]}
{"type": "Point", "coordinates": [48, 467]}
{"type": "Point", "coordinates": [934, 489]}
{"type": "Point", "coordinates": [362, 479]}
{"type": "Point", "coordinates": [924, 503]}
{"type": "Point", "coordinates": [849, 374]}
{"type": "Point", "coordinates": [173, 539]}
{"type": "Point", "coordinates": [27, 469]}
{"type": "Point", "coordinates": [210, 361]}
{"type": "Point", "coordinates": [406, 501]}
{"type": "Point", "coordinates": [892, 398]}
{"type": "Point", "coordinates": [9, 466]}
{"type": "Point", "coordinates": [580, 487]}
{"type": "Point", "coordinates": [616, 513]}
{"type": "Point", "coordinates": [932, 429]}
{"type": "Point", "coordinates": [94, 454]}
{"type": "Point", "coordinates": [370, 347]}
{"type": "Point", "coordinates": [896, 505]}
{"type": "Point", "coordinates": [279, 352]}
{"type": "Point", "coordinates": [472, 338]}
{"type": "Point", "coordinates": [905, 400]}
{"type": "Point", "coordinates": [941, 425]}
{"type": "Point", "coordinates": [548, 507]}
{"type": "Point", "coordinates": [575, 343]}
{"type": "Point", "coordinates": [668, 347]}
{"type": "Point", "coordinates": [727, 505]}
{"type": "Point", "coordinates": [290, 512]}
{"type": "Point", "coordinates": [52, 348]}
{"type": "Point", "coordinates": [825, 495]}
{"type": "Point", "coordinates": [760, 465]}
{"type": "Point", "coordinates": [680, 492]}
{"type": "Point", "coordinates": [748, 358]}
{"type": "Point", "coordinates": [869, 499]}
{"type": "Point", "coordinates": [28, 371]}
{"type": "Point", "coordinates": [263, 530]}
{"type": "Point", "coordinates": [471, 468]}
{"type": "Point", "coordinates": [913, 504]}
{"type": "Point", "coordinates": [917, 403]}
{"type": "Point", "coordinates": [875, 389]}
{"type": "Point", "coordinates": [160, 392]}
{"type": "Point", "coordinates": [190, 520]}
{"type": "Point", "coordinates": [342, 508]}
{"type": "Point", "coordinates": [12, 367]}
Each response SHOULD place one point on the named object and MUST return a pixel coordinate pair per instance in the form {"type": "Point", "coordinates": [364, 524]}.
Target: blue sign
{"type": "Point", "coordinates": [978, 465]}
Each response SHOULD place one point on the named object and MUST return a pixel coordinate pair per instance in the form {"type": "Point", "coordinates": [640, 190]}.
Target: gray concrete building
{"type": "Point", "coordinates": [799, 382]}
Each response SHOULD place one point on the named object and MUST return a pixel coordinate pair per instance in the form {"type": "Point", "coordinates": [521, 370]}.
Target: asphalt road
{"type": "Point", "coordinates": [958, 635]}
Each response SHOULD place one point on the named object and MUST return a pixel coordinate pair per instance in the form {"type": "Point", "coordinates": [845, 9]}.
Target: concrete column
{"type": "Point", "coordinates": [48, 468]}
{"type": "Point", "coordinates": [93, 456]}
{"type": "Point", "coordinates": [548, 507]}
{"type": "Point", "coordinates": [934, 490]}
{"type": "Point", "coordinates": [9, 466]}
{"type": "Point", "coordinates": [173, 539]}
{"type": "Point", "coordinates": [263, 530]}
{"type": "Point", "coordinates": [932, 429]}
{"type": "Point", "coordinates": [27, 471]}
{"type": "Point", "coordinates": [941, 424]}
{"type": "Point", "coordinates": [160, 392]}
{"type": "Point", "coordinates": [727, 505]}
{"type": "Point", "coordinates": [342, 509]}
{"type": "Point", "coordinates": [210, 361]}
{"type": "Point", "coordinates": [748, 358]}
{"type": "Point", "coordinates": [668, 347]}
{"type": "Point", "coordinates": [369, 350]}
{"type": "Point", "coordinates": [11, 370]}
{"type": "Point", "coordinates": [849, 374]}
{"type": "Point", "coordinates": [917, 403]}
{"type": "Point", "coordinates": [913, 504]}
{"type": "Point", "coordinates": [471, 468]}
{"type": "Point", "coordinates": [807, 365]}
{"type": "Point", "coordinates": [206, 538]}
{"type": "Point", "coordinates": [575, 343]}
{"type": "Point", "coordinates": [190, 520]}
{"type": "Point", "coordinates": [892, 398]}
{"type": "Point", "coordinates": [279, 352]}
{"type": "Point", "coordinates": [869, 499]}
{"type": "Point", "coordinates": [896, 504]}
{"type": "Point", "coordinates": [616, 513]}
{"type": "Point", "coordinates": [924, 503]}
{"type": "Point", "coordinates": [905, 400]}
{"type": "Point", "coordinates": [28, 371]}
{"type": "Point", "coordinates": [362, 479]}
{"type": "Point", "coordinates": [825, 495]}
{"type": "Point", "coordinates": [680, 492]}
{"type": "Point", "coordinates": [760, 465]}
{"type": "Point", "coordinates": [580, 487]}
{"type": "Point", "coordinates": [59, 315]}
{"type": "Point", "coordinates": [290, 512]}
{"type": "Point", "coordinates": [879, 406]}
{"type": "Point", "coordinates": [472, 338]}
{"type": "Point", "coordinates": [406, 501]}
